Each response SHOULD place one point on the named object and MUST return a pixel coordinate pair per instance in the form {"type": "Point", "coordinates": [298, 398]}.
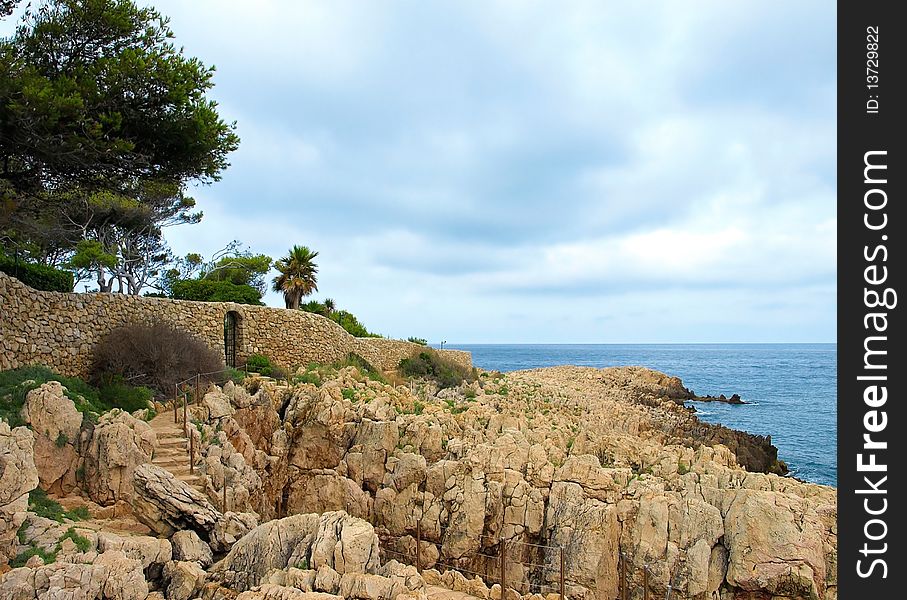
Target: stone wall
{"type": "Point", "coordinates": [60, 330]}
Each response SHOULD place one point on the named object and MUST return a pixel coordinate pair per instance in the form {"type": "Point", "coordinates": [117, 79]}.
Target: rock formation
{"type": "Point", "coordinates": [334, 489]}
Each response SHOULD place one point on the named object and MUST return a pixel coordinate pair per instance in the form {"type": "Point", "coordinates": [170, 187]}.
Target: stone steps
{"type": "Point", "coordinates": [171, 454]}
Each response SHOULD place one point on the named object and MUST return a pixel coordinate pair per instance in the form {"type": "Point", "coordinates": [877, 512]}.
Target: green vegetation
{"type": "Point", "coordinates": [682, 468]}
{"type": "Point", "coordinates": [39, 277]}
{"type": "Point", "coordinates": [259, 363]}
{"type": "Point", "coordinates": [116, 392]}
{"type": "Point", "coordinates": [105, 125]}
{"type": "Point", "coordinates": [44, 506]}
{"type": "Point", "coordinates": [417, 340]}
{"type": "Point", "coordinates": [22, 557]}
{"type": "Point", "coordinates": [348, 394]}
{"type": "Point", "coordinates": [430, 364]}
{"type": "Point", "coordinates": [16, 383]}
{"type": "Point", "coordinates": [82, 543]}
{"type": "Point", "coordinates": [316, 374]}
{"type": "Point", "coordinates": [344, 318]}
{"type": "Point", "coordinates": [205, 290]}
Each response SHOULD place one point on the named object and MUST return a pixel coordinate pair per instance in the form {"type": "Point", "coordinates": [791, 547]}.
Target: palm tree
{"type": "Point", "coordinates": [297, 275]}
{"type": "Point", "coordinates": [329, 307]}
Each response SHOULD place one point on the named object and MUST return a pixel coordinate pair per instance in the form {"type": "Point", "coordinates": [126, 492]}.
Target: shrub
{"type": "Point", "coordinates": [207, 290]}
{"type": "Point", "coordinates": [258, 363]}
{"type": "Point", "coordinates": [431, 365]}
{"type": "Point", "coordinates": [39, 277]}
{"type": "Point", "coordinates": [157, 356]}
{"type": "Point", "coordinates": [116, 392]}
{"type": "Point", "coordinates": [417, 340]}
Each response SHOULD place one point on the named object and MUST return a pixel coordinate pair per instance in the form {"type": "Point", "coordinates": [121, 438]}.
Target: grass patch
{"type": "Point", "coordinates": [348, 394]}
{"type": "Point", "coordinates": [81, 542]}
{"type": "Point", "coordinates": [22, 558]}
{"type": "Point", "coordinates": [44, 506]}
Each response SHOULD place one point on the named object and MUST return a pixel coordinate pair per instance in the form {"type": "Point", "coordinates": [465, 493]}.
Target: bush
{"type": "Point", "coordinates": [431, 365]}
{"type": "Point", "coordinates": [258, 363]}
{"type": "Point", "coordinates": [44, 506]}
{"type": "Point", "coordinates": [207, 290]}
{"type": "Point", "coordinates": [116, 392]}
{"type": "Point", "coordinates": [156, 356]}
{"type": "Point", "coordinates": [39, 277]}
{"type": "Point", "coordinates": [417, 340]}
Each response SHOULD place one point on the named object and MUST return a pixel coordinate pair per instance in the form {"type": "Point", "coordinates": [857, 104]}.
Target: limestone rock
{"type": "Point", "coordinates": [119, 444]}
{"type": "Point", "coordinates": [345, 544]}
{"type": "Point", "coordinates": [147, 550]}
{"type": "Point", "coordinates": [166, 504]}
{"type": "Point", "coordinates": [187, 546]}
{"type": "Point", "coordinates": [18, 476]}
{"type": "Point", "coordinates": [56, 423]}
{"type": "Point", "coordinates": [330, 540]}
{"type": "Point", "coordinates": [184, 579]}
{"type": "Point", "coordinates": [231, 527]}
{"type": "Point", "coordinates": [110, 576]}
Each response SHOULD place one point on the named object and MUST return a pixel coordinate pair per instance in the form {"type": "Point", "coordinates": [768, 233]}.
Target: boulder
{"type": "Point", "coordinates": [278, 592]}
{"type": "Point", "coordinates": [56, 423]}
{"type": "Point", "coordinates": [18, 476]}
{"type": "Point", "coordinates": [345, 544]}
{"type": "Point", "coordinates": [188, 547]}
{"type": "Point", "coordinates": [166, 505]}
{"type": "Point", "coordinates": [330, 540]}
{"type": "Point", "coordinates": [230, 527]}
{"type": "Point", "coordinates": [150, 551]}
{"type": "Point", "coordinates": [184, 579]}
{"type": "Point", "coordinates": [119, 444]}
{"type": "Point", "coordinates": [111, 575]}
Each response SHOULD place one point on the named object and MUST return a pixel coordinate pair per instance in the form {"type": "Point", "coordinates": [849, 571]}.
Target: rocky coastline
{"type": "Point", "coordinates": [343, 486]}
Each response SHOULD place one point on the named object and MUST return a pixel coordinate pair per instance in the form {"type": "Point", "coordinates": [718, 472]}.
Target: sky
{"type": "Point", "coordinates": [533, 172]}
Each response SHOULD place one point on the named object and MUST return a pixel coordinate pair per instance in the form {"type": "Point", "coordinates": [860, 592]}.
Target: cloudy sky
{"type": "Point", "coordinates": [522, 171]}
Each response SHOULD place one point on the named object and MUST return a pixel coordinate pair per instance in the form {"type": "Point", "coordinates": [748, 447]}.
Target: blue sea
{"type": "Point", "coordinates": [790, 389]}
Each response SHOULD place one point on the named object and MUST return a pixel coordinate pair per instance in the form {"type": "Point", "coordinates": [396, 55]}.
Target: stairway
{"type": "Point", "coordinates": [172, 453]}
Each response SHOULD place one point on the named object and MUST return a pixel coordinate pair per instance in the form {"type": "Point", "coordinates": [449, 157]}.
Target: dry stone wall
{"type": "Point", "coordinates": [60, 330]}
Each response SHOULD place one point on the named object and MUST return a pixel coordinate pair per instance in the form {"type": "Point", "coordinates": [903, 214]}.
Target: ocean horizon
{"type": "Point", "coordinates": [790, 389]}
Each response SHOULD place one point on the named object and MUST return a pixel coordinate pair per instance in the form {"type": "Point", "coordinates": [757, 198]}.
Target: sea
{"type": "Point", "coordinates": [790, 390]}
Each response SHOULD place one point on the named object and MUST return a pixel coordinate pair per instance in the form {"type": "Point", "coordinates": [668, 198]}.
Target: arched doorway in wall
{"type": "Point", "coordinates": [231, 337]}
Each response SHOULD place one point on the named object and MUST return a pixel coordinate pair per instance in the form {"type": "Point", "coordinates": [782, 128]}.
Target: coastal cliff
{"type": "Point", "coordinates": [604, 470]}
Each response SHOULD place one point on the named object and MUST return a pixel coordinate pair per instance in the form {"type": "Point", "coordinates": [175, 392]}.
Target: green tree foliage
{"type": "Point", "coordinates": [40, 277]}
{"type": "Point", "coordinates": [298, 275]}
{"type": "Point", "coordinates": [103, 123]}
{"type": "Point", "coordinates": [206, 290]}
{"type": "Point", "coordinates": [344, 318]}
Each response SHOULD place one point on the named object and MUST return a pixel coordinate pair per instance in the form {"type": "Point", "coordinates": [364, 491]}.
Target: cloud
{"type": "Point", "coordinates": [534, 171]}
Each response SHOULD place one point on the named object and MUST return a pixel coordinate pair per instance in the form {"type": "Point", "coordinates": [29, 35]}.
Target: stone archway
{"type": "Point", "coordinates": [232, 321]}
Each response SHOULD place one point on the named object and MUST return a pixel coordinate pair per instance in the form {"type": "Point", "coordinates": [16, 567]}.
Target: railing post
{"type": "Point", "coordinates": [176, 395]}
{"type": "Point", "coordinates": [191, 453]}
{"type": "Point", "coordinates": [503, 569]}
{"type": "Point", "coordinates": [224, 503]}
{"type": "Point", "coordinates": [419, 545]}
{"type": "Point", "coordinates": [185, 414]}
{"type": "Point", "coordinates": [645, 582]}
{"type": "Point", "coordinates": [198, 385]}
{"type": "Point", "coordinates": [562, 573]}
{"type": "Point", "coordinates": [623, 577]}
